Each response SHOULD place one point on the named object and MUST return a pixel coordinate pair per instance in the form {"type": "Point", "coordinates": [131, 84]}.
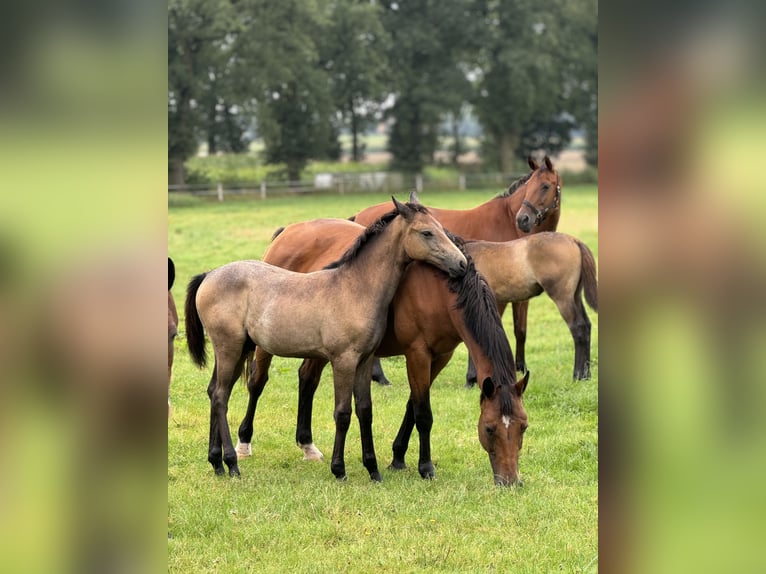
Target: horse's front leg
{"type": "Point", "coordinates": [363, 407]}
{"type": "Point", "coordinates": [419, 375]}
{"type": "Point", "coordinates": [520, 332]}
{"type": "Point", "coordinates": [256, 381]}
{"type": "Point", "coordinates": [343, 370]}
{"type": "Point", "coordinates": [309, 376]}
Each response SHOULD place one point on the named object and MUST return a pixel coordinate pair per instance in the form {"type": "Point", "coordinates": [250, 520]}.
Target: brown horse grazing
{"type": "Point", "coordinates": [530, 205]}
{"type": "Point", "coordinates": [337, 314]}
{"type": "Point", "coordinates": [429, 317]}
{"type": "Point", "coordinates": [172, 322]}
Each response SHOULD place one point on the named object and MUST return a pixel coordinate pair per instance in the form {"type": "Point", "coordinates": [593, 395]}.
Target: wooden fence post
{"type": "Point", "coordinates": [419, 183]}
{"type": "Point", "coordinates": [220, 191]}
{"type": "Point", "coordinates": [461, 182]}
{"type": "Point", "coordinates": [263, 190]}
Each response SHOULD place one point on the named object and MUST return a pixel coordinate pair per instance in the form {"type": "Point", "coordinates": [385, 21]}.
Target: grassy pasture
{"type": "Point", "coordinates": [289, 515]}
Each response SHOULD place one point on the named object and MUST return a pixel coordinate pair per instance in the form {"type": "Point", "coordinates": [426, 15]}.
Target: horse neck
{"type": "Point", "coordinates": [490, 221]}
{"type": "Point", "coordinates": [379, 267]}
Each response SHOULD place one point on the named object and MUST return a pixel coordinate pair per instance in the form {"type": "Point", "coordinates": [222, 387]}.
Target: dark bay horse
{"type": "Point", "coordinates": [530, 205]}
{"type": "Point", "coordinates": [429, 316]}
{"type": "Point", "coordinates": [337, 314]}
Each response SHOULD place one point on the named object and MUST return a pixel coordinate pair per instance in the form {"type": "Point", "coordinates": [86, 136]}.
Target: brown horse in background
{"type": "Point", "coordinates": [429, 316]}
{"type": "Point", "coordinates": [337, 315]}
{"type": "Point", "coordinates": [530, 205]}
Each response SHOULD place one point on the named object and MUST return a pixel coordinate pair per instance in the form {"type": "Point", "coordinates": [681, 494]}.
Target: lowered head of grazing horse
{"type": "Point", "coordinates": [503, 420]}
{"type": "Point", "coordinates": [542, 199]}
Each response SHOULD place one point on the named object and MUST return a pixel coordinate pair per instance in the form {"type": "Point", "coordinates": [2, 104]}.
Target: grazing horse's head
{"type": "Point", "coordinates": [502, 423]}
{"type": "Point", "coordinates": [425, 240]}
{"type": "Point", "coordinates": [542, 196]}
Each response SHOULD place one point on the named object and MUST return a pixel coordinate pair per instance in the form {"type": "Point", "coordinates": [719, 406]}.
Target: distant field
{"type": "Point", "coordinates": [286, 515]}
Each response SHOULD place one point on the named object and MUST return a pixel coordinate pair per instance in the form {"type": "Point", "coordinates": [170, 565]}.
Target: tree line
{"type": "Point", "coordinates": [301, 71]}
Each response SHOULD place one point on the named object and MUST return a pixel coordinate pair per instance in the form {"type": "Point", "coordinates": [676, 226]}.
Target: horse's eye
{"type": "Point", "coordinates": [546, 187]}
{"type": "Point", "coordinates": [427, 233]}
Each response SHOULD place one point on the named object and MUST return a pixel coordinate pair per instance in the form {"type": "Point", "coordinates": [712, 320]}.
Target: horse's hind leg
{"type": "Point", "coordinates": [309, 376]}
{"type": "Point", "coordinates": [214, 454]}
{"type": "Point", "coordinates": [259, 376]}
{"type": "Point", "coordinates": [229, 366]}
{"type": "Point", "coordinates": [573, 311]}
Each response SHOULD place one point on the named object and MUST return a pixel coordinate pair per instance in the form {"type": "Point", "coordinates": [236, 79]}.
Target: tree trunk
{"type": "Point", "coordinates": [509, 143]}
{"type": "Point", "coordinates": [354, 132]}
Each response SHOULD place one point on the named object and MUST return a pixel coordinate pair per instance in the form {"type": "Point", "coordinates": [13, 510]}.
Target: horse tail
{"type": "Point", "coordinates": [277, 232]}
{"type": "Point", "coordinates": [195, 332]}
{"type": "Point", "coordinates": [588, 276]}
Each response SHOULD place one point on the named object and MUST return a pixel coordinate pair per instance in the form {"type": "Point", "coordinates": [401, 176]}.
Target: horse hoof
{"type": "Point", "coordinates": [219, 470]}
{"type": "Point", "coordinates": [234, 472]}
{"type": "Point", "coordinates": [383, 382]}
{"type": "Point", "coordinates": [311, 452]}
{"type": "Point", "coordinates": [244, 449]}
{"type": "Point", "coordinates": [521, 368]}
{"type": "Point", "coordinates": [397, 465]}
{"type": "Point", "coordinates": [427, 471]}
{"type": "Point", "coordinates": [343, 478]}
{"type": "Point", "coordinates": [469, 384]}
{"type": "Point", "coordinates": [375, 476]}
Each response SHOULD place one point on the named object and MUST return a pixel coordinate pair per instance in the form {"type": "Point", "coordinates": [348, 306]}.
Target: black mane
{"type": "Point", "coordinates": [516, 185]}
{"type": "Point", "coordinates": [373, 231]}
{"type": "Point", "coordinates": [483, 321]}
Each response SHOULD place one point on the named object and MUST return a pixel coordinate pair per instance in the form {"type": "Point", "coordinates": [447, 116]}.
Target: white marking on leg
{"type": "Point", "coordinates": [506, 421]}
{"type": "Point", "coordinates": [244, 449]}
{"type": "Point", "coordinates": [311, 452]}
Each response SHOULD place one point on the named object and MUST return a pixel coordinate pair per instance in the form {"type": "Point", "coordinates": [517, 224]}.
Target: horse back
{"type": "Point", "coordinates": [311, 245]}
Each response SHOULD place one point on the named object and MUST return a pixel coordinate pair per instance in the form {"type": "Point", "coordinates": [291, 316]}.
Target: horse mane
{"type": "Point", "coordinates": [482, 319]}
{"type": "Point", "coordinates": [516, 185]}
{"type": "Point", "coordinates": [373, 231]}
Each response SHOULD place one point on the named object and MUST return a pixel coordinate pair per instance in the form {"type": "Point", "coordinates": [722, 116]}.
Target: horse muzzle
{"type": "Point", "coordinates": [458, 270]}
{"type": "Point", "coordinates": [501, 480]}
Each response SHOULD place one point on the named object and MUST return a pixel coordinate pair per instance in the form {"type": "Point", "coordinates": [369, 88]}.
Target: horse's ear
{"type": "Point", "coordinates": [521, 385]}
{"type": "Point", "coordinates": [488, 387]}
{"type": "Point", "coordinates": [532, 163]}
{"type": "Point", "coordinates": [414, 197]}
{"type": "Point", "coordinates": [548, 163]}
{"type": "Point", "coordinates": [402, 208]}
{"type": "Point", "coordinates": [171, 273]}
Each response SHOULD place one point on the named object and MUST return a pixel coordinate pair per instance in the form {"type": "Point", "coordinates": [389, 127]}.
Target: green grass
{"type": "Point", "coordinates": [289, 515]}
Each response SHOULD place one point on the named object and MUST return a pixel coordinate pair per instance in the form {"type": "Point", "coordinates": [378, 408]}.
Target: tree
{"type": "Point", "coordinates": [278, 58]}
{"type": "Point", "coordinates": [536, 73]}
{"type": "Point", "coordinates": [199, 32]}
{"type": "Point", "coordinates": [431, 41]}
{"type": "Point", "coordinates": [354, 55]}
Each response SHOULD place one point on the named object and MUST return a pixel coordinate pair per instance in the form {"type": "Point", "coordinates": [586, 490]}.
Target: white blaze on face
{"type": "Point", "coordinates": [506, 421]}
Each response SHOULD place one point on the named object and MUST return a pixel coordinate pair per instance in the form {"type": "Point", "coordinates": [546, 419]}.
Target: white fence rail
{"type": "Point", "coordinates": [389, 182]}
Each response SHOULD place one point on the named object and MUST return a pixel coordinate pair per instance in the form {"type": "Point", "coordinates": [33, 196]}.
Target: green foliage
{"type": "Point", "coordinates": [537, 73]}
{"type": "Point", "coordinates": [430, 41]}
{"type": "Point", "coordinates": [289, 515]}
{"type": "Point", "coordinates": [353, 50]}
